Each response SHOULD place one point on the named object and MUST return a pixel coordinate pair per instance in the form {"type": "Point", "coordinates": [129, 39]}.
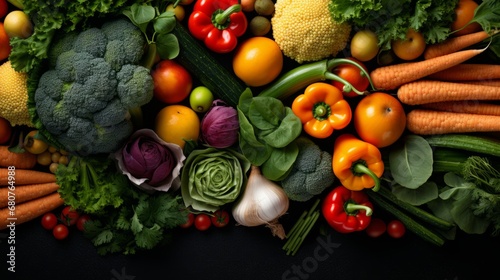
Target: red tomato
{"type": "Point", "coordinates": [396, 229]}
{"type": "Point", "coordinates": [220, 218]}
{"type": "Point", "coordinates": [376, 228]}
{"type": "Point", "coordinates": [189, 222]}
{"type": "Point", "coordinates": [49, 221]}
{"type": "Point", "coordinates": [4, 8]}
{"type": "Point", "coordinates": [353, 75]}
{"type": "Point", "coordinates": [80, 222]}
{"type": "Point", "coordinates": [172, 82]}
{"type": "Point", "coordinates": [69, 216]}
{"type": "Point", "coordinates": [379, 119]}
{"type": "Point", "coordinates": [202, 222]}
{"type": "Point", "coordinates": [60, 231]}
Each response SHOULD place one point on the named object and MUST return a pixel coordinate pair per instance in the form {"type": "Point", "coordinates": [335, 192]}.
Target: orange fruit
{"type": "Point", "coordinates": [177, 124]}
{"type": "Point", "coordinates": [258, 61]}
{"type": "Point", "coordinates": [464, 12]}
{"type": "Point", "coordinates": [4, 43]}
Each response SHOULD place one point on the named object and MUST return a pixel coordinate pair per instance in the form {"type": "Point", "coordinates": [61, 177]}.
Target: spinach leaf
{"type": "Point", "coordinates": [411, 161]}
{"type": "Point", "coordinates": [280, 162]}
{"type": "Point", "coordinates": [425, 193]}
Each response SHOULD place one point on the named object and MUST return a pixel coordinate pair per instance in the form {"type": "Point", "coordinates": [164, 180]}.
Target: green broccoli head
{"type": "Point", "coordinates": [135, 85]}
{"type": "Point", "coordinates": [311, 173]}
{"type": "Point", "coordinates": [83, 99]}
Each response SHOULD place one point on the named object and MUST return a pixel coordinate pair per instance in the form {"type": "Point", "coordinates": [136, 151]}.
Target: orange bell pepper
{"type": "Point", "coordinates": [322, 109]}
{"type": "Point", "coordinates": [357, 164]}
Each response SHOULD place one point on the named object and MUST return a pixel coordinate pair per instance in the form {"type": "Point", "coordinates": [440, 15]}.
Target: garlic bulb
{"type": "Point", "coordinates": [261, 203]}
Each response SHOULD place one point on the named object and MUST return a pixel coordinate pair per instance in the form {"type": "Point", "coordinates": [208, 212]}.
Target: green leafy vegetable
{"type": "Point", "coordinates": [91, 185]}
{"type": "Point", "coordinates": [213, 177]}
{"type": "Point", "coordinates": [487, 14]}
{"type": "Point", "coordinates": [268, 129]}
{"type": "Point", "coordinates": [411, 161]}
{"type": "Point", "coordinates": [144, 221]}
{"type": "Point", "coordinates": [390, 19]}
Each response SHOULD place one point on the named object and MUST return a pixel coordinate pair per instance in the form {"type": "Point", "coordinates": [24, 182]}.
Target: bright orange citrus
{"type": "Point", "coordinates": [258, 61]}
{"type": "Point", "coordinates": [4, 43]}
{"type": "Point", "coordinates": [177, 124]}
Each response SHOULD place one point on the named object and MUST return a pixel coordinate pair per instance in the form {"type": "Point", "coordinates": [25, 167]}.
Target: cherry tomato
{"type": "Point", "coordinates": [189, 222]}
{"type": "Point", "coordinates": [69, 216]}
{"type": "Point", "coordinates": [353, 75]}
{"type": "Point", "coordinates": [80, 222]}
{"type": "Point", "coordinates": [49, 221]}
{"type": "Point", "coordinates": [60, 231]}
{"type": "Point", "coordinates": [220, 218]}
{"type": "Point", "coordinates": [396, 229]}
{"type": "Point", "coordinates": [172, 82]}
{"type": "Point", "coordinates": [379, 119]}
{"type": "Point", "coordinates": [376, 228]}
{"type": "Point", "coordinates": [202, 222]}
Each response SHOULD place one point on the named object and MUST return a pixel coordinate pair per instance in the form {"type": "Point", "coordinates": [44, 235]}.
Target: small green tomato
{"type": "Point", "coordinates": [201, 99]}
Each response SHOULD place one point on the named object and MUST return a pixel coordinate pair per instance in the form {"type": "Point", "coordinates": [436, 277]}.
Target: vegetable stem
{"type": "Point", "coordinates": [301, 229]}
{"type": "Point", "coordinates": [360, 168]}
{"type": "Point", "coordinates": [412, 225]}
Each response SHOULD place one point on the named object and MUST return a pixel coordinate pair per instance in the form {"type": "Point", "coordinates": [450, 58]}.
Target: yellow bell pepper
{"type": "Point", "coordinates": [322, 109]}
{"type": "Point", "coordinates": [357, 164]}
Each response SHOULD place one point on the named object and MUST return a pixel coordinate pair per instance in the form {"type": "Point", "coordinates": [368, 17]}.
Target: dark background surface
{"type": "Point", "coordinates": [237, 252]}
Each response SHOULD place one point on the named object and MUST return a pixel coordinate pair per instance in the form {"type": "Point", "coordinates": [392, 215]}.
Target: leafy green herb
{"type": "Point", "coordinates": [91, 185]}
{"type": "Point", "coordinates": [487, 14]}
{"type": "Point", "coordinates": [390, 19]}
{"type": "Point", "coordinates": [268, 129]}
{"type": "Point", "coordinates": [144, 221]}
{"type": "Point", "coordinates": [411, 161]}
{"type": "Point", "coordinates": [156, 27]}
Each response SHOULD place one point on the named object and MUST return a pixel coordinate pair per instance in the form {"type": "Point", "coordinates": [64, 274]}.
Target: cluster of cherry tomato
{"type": "Point", "coordinates": [60, 225]}
{"type": "Point", "coordinates": [204, 221]}
{"type": "Point", "coordinates": [377, 227]}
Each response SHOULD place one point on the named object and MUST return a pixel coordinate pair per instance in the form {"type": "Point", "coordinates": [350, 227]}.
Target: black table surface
{"type": "Point", "coordinates": [238, 252]}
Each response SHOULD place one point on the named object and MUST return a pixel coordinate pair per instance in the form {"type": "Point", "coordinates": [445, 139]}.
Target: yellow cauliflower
{"type": "Point", "coordinates": [305, 30]}
{"type": "Point", "coordinates": [14, 96]}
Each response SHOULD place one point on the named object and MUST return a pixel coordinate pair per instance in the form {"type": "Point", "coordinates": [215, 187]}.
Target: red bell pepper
{"type": "Point", "coordinates": [347, 211]}
{"type": "Point", "coordinates": [218, 23]}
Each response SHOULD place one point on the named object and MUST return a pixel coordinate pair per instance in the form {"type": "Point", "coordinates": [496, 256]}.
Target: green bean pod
{"type": "Point", "coordinates": [300, 77]}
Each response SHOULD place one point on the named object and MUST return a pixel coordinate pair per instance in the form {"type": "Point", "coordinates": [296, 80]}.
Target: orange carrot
{"type": "Point", "coordinates": [454, 44]}
{"type": "Point", "coordinates": [29, 210]}
{"type": "Point", "coordinates": [430, 122]}
{"type": "Point", "coordinates": [392, 76]}
{"type": "Point", "coordinates": [465, 106]}
{"type": "Point", "coordinates": [491, 83]}
{"type": "Point", "coordinates": [18, 160]}
{"type": "Point", "coordinates": [25, 193]}
{"type": "Point", "coordinates": [427, 91]}
{"type": "Point", "coordinates": [468, 72]}
{"type": "Point", "coordinates": [25, 177]}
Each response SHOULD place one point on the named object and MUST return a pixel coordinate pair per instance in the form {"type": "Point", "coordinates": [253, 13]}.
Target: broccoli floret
{"type": "Point", "coordinates": [135, 86]}
{"type": "Point", "coordinates": [83, 100]}
{"type": "Point", "coordinates": [311, 173]}
{"type": "Point", "coordinates": [92, 41]}
{"type": "Point", "coordinates": [64, 44]}
{"type": "Point", "coordinates": [119, 52]}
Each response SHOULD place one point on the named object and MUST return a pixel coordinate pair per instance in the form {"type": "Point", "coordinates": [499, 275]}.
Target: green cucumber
{"type": "Point", "coordinates": [467, 142]}
{"type": "Point", "coordinates": [203, 66]}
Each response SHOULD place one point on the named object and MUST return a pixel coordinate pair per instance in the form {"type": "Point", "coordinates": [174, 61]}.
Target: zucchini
{"type": "Point", "coordinates": [203, 66]}
{"type": "Point", "coordinates": [467, 142]}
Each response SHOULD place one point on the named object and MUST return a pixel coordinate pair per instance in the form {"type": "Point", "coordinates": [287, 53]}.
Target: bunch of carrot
{"type": "Point", "coordinates": [448, 94]}
{"type": "Point", "coordinates": [25, 193]}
